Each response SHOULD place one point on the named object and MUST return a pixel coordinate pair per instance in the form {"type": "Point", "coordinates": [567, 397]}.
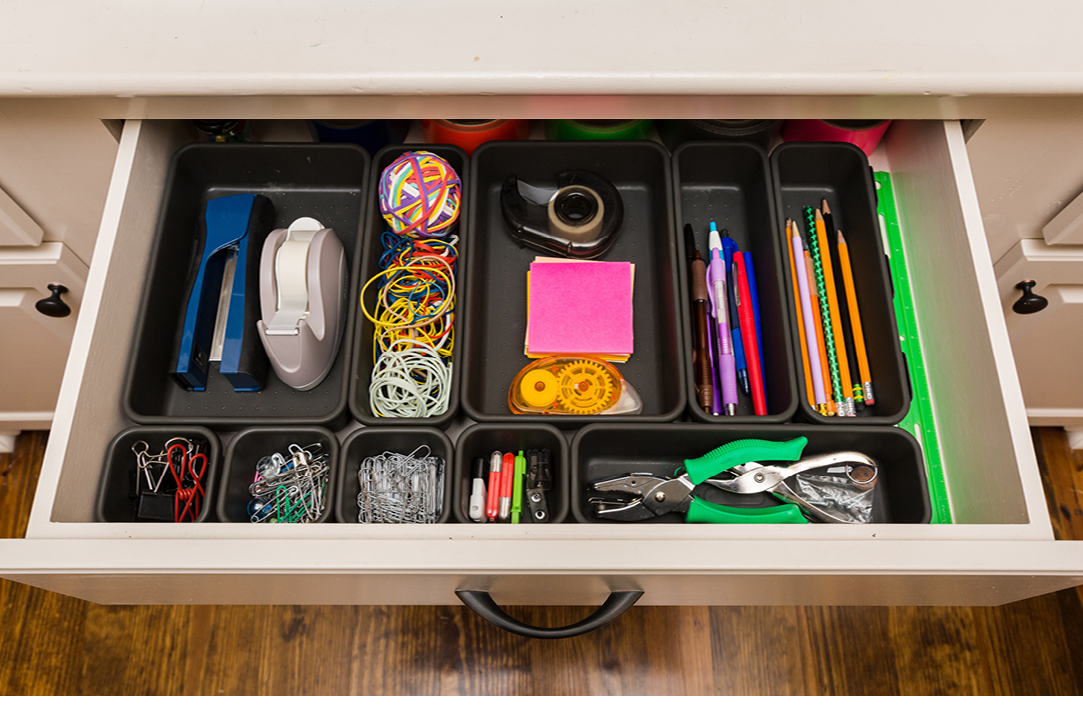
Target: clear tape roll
{"type": "Point", "coordinates": [584, 232]}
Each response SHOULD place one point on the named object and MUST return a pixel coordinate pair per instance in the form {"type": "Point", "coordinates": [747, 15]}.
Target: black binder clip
{"type": "Point", "coordinates": [539, 481]}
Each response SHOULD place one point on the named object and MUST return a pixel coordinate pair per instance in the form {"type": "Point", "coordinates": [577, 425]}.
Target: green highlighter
{"type": "Point", "coordinates": [517, 488]}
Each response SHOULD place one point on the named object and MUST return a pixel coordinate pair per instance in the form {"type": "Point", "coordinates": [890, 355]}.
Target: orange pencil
{"type": "Point", "coordinates": [836, 325]}
{"type": "Point", "coordinates": [800, 316]}
{"type": "Point", "coordinates": [820, 333]}
{"type": "Point", "coordinates": [855, 320]}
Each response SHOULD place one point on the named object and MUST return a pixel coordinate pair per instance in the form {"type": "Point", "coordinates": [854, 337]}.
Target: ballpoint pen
{"type": "Point", "coordinates": [716, 281]}
{"type": "Point", "coordinates": [702, 357]}
{"type": "Point", "coordinates": [729, 247]}
{"type": "Point", "coordinates": [750, 271]}
{"type": "Point", "coordinates": [748, 332]}
{"type": "Point", "coordinates": [716, 383]}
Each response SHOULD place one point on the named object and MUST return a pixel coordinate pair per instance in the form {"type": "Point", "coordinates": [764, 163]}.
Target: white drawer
{"type": "Point", "coordinates": [1000, 549]}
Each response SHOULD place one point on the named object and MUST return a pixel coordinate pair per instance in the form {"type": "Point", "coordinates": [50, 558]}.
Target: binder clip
{"type": "Point", "coordinates": [302, 293]}
{"type": "Point", "coordinates": [580, 220]}
{"type": "Point", "coordinates": [220, 317]}
{"type": "Point", "coordinates": [539, 482]}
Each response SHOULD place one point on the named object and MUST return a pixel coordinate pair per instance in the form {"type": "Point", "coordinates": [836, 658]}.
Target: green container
{"type": "Point", "coordinates": [598, 129]}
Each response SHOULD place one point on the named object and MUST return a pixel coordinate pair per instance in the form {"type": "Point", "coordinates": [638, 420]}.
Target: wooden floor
{"type": "Point", "coordinates": [51, 644]}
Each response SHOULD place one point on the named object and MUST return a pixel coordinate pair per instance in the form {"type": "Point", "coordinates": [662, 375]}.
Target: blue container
{"type": "Point", "coordinates": [369, 134]}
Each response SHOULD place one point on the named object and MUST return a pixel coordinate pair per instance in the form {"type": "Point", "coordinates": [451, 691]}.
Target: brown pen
{"type": "Point", "coordinates": [700, 327]}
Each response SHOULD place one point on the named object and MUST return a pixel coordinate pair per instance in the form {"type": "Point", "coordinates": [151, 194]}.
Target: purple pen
{"type": "Point", "coordinates": [716, 280]}
{"type": "Point", "coordinates": [716, 384]}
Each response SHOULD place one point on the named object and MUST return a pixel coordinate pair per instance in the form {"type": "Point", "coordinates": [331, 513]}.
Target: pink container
{"type": "Point", "coordinates": [865, 134]}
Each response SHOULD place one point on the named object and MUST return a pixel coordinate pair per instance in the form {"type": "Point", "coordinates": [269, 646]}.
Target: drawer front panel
{"type": "Point", "coordinates": [1000, 550]}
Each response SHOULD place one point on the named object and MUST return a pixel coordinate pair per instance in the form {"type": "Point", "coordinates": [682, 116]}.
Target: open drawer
{"type": "Point", "coordinates": [999, 549]}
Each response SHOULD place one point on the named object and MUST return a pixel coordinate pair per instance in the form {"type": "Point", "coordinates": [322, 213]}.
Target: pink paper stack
{"type": "Point", "coordinates": [579, 307]}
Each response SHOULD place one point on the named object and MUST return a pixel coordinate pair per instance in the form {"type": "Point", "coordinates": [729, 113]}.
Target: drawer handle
{"type": "Point", "coordinates": [481, 603]}
{"type": "Point", "coordinates": [53, 306]}
{"type": "Point", "coordinates": [1031, 302]}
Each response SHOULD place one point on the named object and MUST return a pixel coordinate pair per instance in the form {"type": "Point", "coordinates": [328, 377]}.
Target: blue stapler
{"type": "Point", "coordinates": [223, 305]}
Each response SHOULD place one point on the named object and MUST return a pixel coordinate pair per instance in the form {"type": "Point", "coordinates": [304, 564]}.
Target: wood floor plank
{"type": "Point", "coordinates": [1062, 479]}
{"type": "Point", "coordinates": [1027, 648]}
{"type": "Point", "coordinates": [41, 633]}
{"type": "Point", "coordinates": [757, 650]}
{"type": "Point", "coordinates": [134, 649]}
{"type": "Point", "coordinates": [19, 473]}
{"type": "Point", "coordinates": [848, 651]}
{"type": "Point", "coordinates": [41, 641]}
{"type": "Point", "coordinates": [937, 652]}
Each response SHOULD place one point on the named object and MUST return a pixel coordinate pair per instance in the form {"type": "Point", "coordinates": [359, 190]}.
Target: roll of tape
{"type": "Point", "coordinates": [291, 276]}
{"type": "Point", "coordinates": [865, 134]}
{"type": "Point", "coordinates": [675, 132]}
{"type": "Point", "coordinates": [598, 129]}
{"type": "Point", "coordinates": [469, 134]}
{"type": "Point", "coordinates": [291, 283]}
{"type": "Point", "coordinates": [369, 134]}
{"type": "Point", "coordinates": [584, 230]}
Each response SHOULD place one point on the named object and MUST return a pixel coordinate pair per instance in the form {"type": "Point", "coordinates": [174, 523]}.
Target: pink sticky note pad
{"type": "Point", "coordinates": [580, 308]}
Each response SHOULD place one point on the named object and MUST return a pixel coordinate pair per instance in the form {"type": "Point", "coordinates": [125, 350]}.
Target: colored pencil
{"type": "Point", "coordinates": [817, 322]}
{"type": "Point", "coordinates": [800, 317]}
{"type": "Point", "coordinates": [855, 318]}
{"type": "Point", "coordinates": [836, 321]}
{"type": "Point", "coordinates": [815, 250]}
{"type": "Point", "coordinates": [810, 349]}
{"type": "Point", "coordinates": [844, 306]}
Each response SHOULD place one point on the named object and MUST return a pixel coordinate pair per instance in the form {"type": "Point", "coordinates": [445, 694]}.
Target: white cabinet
{"type": "Point", "coordinates": [1029, 173]}
{"type": "Point", "coordinates": [54, 175]}
{"type": "Point", "coordinates": [1000, 548]}
{"type": "Point", "coordinates": [1048, 345]}
{"type": "Point", "coordinates": [33, 345]}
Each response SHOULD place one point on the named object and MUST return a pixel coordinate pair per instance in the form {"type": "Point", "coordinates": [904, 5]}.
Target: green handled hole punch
{"type": "Point", "coordinates": [831, 488]}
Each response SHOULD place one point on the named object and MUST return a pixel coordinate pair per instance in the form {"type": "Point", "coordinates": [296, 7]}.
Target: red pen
{"type": "Point", "coordinates": [748, 336]}
{"type": "Point", "coordinates": [492, 498]}
{"type": "Point", "coordinates": [507, 484]}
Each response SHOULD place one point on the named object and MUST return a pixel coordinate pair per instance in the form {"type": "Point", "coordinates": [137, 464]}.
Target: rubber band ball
{"type": "Point", "coordinates": [420, 196]}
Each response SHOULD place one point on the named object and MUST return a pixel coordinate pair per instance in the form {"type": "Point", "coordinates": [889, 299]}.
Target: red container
{"type": "Point", "coordinates": [865, 134]}
{"type": "Point", "coordinates": [469, 134]}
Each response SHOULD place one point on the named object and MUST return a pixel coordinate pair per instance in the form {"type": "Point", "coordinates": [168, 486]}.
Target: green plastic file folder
{"type": "Point", "coordinates": [919, 422]}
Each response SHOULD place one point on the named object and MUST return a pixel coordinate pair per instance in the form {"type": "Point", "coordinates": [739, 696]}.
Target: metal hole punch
{"type": "Point", "coordinates": [830, 488]}
{"type": "Point", "coordinates": [220, 316]}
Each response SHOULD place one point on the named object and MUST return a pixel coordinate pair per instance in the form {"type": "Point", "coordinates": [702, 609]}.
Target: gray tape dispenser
{"type": "Point", "coordinates": [302, 293]}
{"type": "Point", "coordinates": [580, 220]}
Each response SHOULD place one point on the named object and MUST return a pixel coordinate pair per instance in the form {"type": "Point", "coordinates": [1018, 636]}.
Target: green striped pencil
{"type": "Point", "coordinates": [825, 310]}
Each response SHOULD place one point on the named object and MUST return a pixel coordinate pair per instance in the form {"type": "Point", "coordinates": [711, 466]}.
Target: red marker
{"type": "Point", "coordinates": [507, 484]}
{"type": "Point", "coordinates": [748, 336]}
{"type": "Point", "coordinates": [492, 499]}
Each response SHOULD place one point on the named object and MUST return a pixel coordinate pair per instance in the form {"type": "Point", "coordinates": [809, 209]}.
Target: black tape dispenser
{"type": "Point", "coordinates": [580, 220]}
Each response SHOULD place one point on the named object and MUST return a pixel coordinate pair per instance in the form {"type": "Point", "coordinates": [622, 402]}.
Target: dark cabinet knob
{"type": "Point", "coordinates": [53, 306]}
{"type": "Point", "coordinates": [1030, 302]}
